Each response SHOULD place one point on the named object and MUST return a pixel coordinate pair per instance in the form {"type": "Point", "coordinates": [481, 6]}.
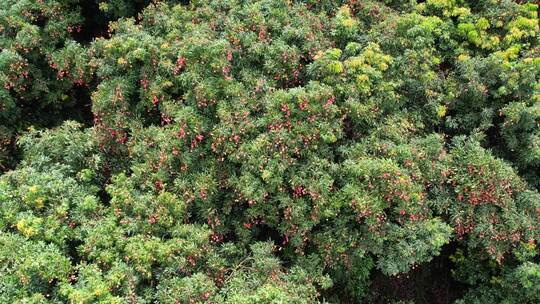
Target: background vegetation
{"type": "Point", "coordinates": [269, 151]}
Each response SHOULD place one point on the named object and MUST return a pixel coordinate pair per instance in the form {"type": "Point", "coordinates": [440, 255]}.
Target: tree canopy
{"type": "Point", "coordinates": [269, 151]}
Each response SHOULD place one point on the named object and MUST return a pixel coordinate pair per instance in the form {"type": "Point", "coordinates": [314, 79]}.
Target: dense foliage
{"type": "Point", "coordinates": [269, 151]}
